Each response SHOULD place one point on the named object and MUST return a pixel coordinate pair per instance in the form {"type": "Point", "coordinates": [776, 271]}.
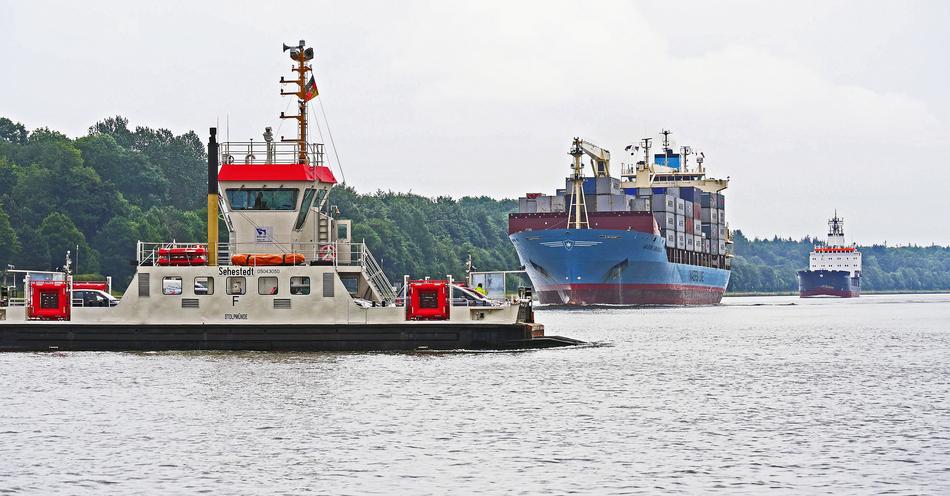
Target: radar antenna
{"type": "Point", "coordinates": [300, 54]}
{"type": "Point", "coordinates": [666, 140]}
{"type": "Point", "coordinates": [836, 226]}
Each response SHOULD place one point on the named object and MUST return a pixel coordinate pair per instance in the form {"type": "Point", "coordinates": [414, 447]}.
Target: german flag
{"type": "Point", "coordinates": [310, 91]}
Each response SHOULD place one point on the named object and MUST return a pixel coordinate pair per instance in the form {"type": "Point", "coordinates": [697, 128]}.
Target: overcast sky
{"type": "Point", "coordinates": [807, 106]}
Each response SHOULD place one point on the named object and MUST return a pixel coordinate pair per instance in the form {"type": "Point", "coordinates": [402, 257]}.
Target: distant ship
{"type": "Point", "coordinates": [655, 236]}
{"type": "Point", "coordinates": [833, 269]}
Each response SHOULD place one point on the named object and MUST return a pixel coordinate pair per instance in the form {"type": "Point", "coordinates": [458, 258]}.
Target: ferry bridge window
{"type": "Point", "coordinates": [267, 285]}
{"type": "Point", "coordinates": [300, 285]}
{"type": "Point", "coordinates": [304, 208]}
{"type": "Point", "coordinates": [237, 285]}
{"type": "Point", "coordinates": [262, 199]}
{"type": "Point", "coordinates": [204, 285]}
{"type": "Point", "coordinates": [171, 285]}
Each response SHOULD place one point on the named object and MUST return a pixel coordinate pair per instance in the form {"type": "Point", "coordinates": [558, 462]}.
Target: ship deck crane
{"type": "Point", "coordinates": [600, 158]}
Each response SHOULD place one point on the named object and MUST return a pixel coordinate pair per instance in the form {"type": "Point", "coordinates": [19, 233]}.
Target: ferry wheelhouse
{"type": "Point", "coordinates": [289, 277]}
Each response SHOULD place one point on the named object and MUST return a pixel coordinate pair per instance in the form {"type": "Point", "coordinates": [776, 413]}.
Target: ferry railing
{"type": "Point", "coordinates": [147, 253]}
{"type": "Point", "coordinates": [262, 152]}
{"type": "Point", "coordinates": [336, 253]}
{"type": "Point", "coordinates": [375, 274]}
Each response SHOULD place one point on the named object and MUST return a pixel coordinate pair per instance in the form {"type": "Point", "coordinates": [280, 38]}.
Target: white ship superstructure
{"type": "Point", "coordinates": [836, 254]}
{"type": "Point", "coordinates": [834, 269]}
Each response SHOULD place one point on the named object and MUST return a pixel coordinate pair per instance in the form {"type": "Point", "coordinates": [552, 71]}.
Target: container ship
{"type": "Point", "coordinates": [289, 277]}
{"type": "Point", "coordinates": [833, 269]}
{"type": "Point", "coordinates": [657, 235]}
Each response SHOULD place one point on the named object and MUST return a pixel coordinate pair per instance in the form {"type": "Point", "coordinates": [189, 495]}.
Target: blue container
{"type": "Point", "coordinates": [659, 191]}
{"type": "Point", "coordinates": [688, 193]}
{"type": "Point", "coordinates": [705, 200]}
{"type": "Point", "coordinates": [671, 160]}
{"type": "Point", "coordinates": [630, 191]}
{"type": "Point", "coordinates": [590, 185]}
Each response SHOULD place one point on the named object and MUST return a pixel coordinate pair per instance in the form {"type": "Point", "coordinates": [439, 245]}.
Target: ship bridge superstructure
{"type": "Point", "coordinates": [273, 195]}
{"type": "Point", "coordinates": [668, 167]}
{"type": "Point", "coordinates": [835, 254]}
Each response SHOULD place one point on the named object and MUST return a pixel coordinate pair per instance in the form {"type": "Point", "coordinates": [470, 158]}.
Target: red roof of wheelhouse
{"type": "Point", "coordinates": [275, 172]}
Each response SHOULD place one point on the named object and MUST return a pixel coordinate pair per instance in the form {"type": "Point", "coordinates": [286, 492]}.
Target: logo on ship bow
{"type": "Point", "coordinates": [569, 244]}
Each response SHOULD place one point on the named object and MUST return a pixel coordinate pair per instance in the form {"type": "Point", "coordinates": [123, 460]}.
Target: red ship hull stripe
{"type": "Point", "coordinates": [630, 294]}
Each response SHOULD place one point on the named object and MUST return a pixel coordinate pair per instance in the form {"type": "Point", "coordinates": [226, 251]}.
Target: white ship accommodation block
{"type": "Point", "coordinates": [836, 254]}
{"type": "Point", "coordinates": [830, 259]}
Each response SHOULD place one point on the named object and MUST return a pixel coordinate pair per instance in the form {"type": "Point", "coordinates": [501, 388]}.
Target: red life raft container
{"type": "Point", "coordinates": [101, 286]}
{"type": "Point", "coordinates": [49, 300]}
{"type": "Point", "coordinates": [259, 259]}
{"type": "Point", "coordinates": [182, 256]}
{"type": "Point", "coordinates": [427, 300]}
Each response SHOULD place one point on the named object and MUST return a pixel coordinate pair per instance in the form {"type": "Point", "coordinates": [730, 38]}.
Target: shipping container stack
{"type": "Point", "coordinates": [693, 233]}
{"type": "Point", "coordinates": [692, 222]}
{"type": "Point", "coordinates": [713, 214]}
{"type": "Point", "coordinates": [602, 194]}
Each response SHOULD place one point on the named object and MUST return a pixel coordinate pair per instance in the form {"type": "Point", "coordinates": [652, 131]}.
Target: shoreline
{"type": "Point", "coordinates": [795, 293]}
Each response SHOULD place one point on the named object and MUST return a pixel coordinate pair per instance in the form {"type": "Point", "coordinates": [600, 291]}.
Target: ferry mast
{"type": "Point", "coordinates": [301, 55]}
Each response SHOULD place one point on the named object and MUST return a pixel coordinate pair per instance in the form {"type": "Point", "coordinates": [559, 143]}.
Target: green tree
{"type": "Point", "coordinates": [13, 132]}
{"type": "Point", "coordinates": [9, 242]}
{"type": "Point", "coordinates": [60, 235]}
{"type": "Point", "coordinates": [139, 181]}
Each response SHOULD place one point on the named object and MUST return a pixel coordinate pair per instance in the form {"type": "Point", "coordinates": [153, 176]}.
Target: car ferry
{"type": "Point", "coordinates": [290, 277]}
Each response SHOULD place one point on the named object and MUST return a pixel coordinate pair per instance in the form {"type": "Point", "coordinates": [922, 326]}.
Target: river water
{"type": "Point", "coordinates": [759, 394]}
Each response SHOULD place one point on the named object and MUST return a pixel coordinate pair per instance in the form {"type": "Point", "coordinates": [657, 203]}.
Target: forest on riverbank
{"type": "Point", "coordinates": [114, 186]}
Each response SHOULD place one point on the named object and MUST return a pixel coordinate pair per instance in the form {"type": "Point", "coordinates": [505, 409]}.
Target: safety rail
{"type": "Point", "coordinates": [337, 254]}
{"type": "Point", "coordinates": [377, 278]}
{"type": "Point", "coordinates": [147, 253]}
{"type": "Point", "coordinates": [262, 152]}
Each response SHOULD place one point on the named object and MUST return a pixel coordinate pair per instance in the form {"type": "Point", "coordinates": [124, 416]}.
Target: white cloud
{"type": "Point", "coordinates": [483, 98]}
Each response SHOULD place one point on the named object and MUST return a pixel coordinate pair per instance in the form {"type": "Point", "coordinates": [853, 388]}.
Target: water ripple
{"type": "Point", "coordinates": [757, 395]}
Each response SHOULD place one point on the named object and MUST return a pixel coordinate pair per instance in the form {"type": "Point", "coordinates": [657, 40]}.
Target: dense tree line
{"type": "Point", "coordinates": [101, 193]}
{"type": "Point", "coordinates": [104, 191]}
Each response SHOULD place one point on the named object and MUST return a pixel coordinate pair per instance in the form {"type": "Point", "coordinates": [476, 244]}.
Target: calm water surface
{"type": "Point", "coordinates": [756, 395]}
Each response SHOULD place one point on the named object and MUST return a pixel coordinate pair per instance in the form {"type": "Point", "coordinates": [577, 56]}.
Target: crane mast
{"type": "Point", "coordinates": [600, 158]}
{"type": "Point", "coordinates": [600, 163]}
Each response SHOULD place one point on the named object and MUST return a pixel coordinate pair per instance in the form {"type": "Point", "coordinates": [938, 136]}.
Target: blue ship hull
{"type": "Point", "coordinates": [599, 266]}
{"type": "Point", "coordinates": [828, 283]}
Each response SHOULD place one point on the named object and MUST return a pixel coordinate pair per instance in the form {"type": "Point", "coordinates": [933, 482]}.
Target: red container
{"type": "Point", "coordinates": [697, 211]}
{"type": "Point", "coordinates": [101, 286]}
{"type": "Point", "coordinates": [180, 256]}
{"type": "Point", "coordinates": [428, 300]}
{"type": "Point", "coordinates": [689, 225]}
{"type": "Point", "coordinates": [49, 300]}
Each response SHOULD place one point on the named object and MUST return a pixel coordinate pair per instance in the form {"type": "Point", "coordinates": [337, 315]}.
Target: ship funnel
{"type": "Point", "coordinates": [213, 198]}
